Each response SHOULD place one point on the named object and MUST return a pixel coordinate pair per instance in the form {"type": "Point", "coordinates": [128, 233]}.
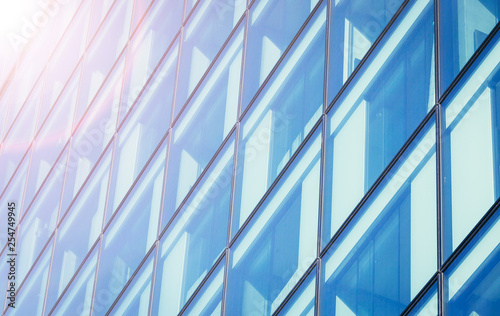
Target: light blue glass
{"type": "Point", "coordinates": [146, 50]}
{"type": "Point", "coordinates": [40, 218]}
{"type": "Point", "coordinates": [203, 125]}
{"type": "Point", "coordinates": [104, 51]}
{"type": "Point", "coordinates": [272, 26]}
{"type": "Point", "coordinates": [13, 193]}
{"type": "Point", "coordinates": [388, 252]}
{"type": "Point", "coordinates": [80, 226]}
{"type": "Point", "coordinates": [196, 238]}
{"type": "Point", "coordinates": [280, 118]}
{"type": "Point", "coordinates": [135, 300]}
{"type": "Point", "coordinates": [29, 300]}
{"type": "Point", "coordinates": [302, 302]}
{"type": "Point", "coordinates": [19, 136]}
{"type": "Point", "coordinates": [428, 305]}
{"type": "Point", "coordinates": [143, 128]}
{"type": "Point", "coordinates": [471, 147]}
{"type": "Point", "coordinates": [280, 242]}
{"type": "Point", "coordinates": [208, 302]}
{"type": "Point", "coordinates": [204, 34]}
{"type": "Point", "coordinates": [472, 286]}
{"type": "Point", "coordinates": [68, 53]}
{"type": "Point", "coordinates": [354, 27]}
{"type": "Point", "coordinates": [378, 112]}
{"type": "Point", "coordinates": [131, 232]}
{"type": "Point", "coordinates": [77, 296]}
{"type": "Point", "coordinates": [4, 283]}
{"type": "Point", "coordinates": [463, 26]}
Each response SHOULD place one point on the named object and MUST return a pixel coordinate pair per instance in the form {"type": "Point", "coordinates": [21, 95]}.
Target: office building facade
{"type": "Point", "coordinates": [260, 157]}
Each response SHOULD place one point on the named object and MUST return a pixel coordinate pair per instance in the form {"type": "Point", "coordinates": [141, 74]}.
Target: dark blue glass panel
{"type": "Point", "coordinates": [388, 252]}
{"type": "Point", "coordinates": [354, 27]}
{"type": "Point", "coordinates": [279, 243]}
{"type": "Point", "coordinates": [272, 26]}
{"type": "Point", "coordinates": [378, 112]}
{"type": "Point", "coordinates": [302, 303]}
{"type": "Point", "coordinates": [472, 285]}
{"type": "Point", "coordinates": [463, 26]}
{"type": "Point", "coordinates": [280, 118]}
{"type": "Point", "coordinates": [471, 147]}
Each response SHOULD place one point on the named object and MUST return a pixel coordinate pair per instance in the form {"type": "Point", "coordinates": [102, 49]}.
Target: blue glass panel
{"type": "Point", "coordinates": [13, 193]}
{"type": "Point", "coordinates": [143, 129]}
{"type": "Point", "coordinates": [203, 36]}
{"type": "Point", "coordinates": [29, 300]}
{"type": "Point", "coordinates": [471, 147]}
{"type": "Point", "coordinates": [204, 124]}
{"type": "Point", "coordinates": [378, 112]}
{"type": "Point", "coordinates": [428, 305]}
{"type": "Point", "coordinates": [77, 298]}
{"type": "Point", "coordinates": [463, 26]}
{"type": "Point", "coordinates": [472, 285]}
{"type": "Point", "coordinates": [80, 227]}
{"type": "Point", "coordinates": [354, 27]}
{"type": "Point", "coordinates": [272, 26]}
{"type": "Point", "coordinates": [131, 232]}
{"type": "Point", "coordinates": [196, 237]}
{"type": "Point", "coordinates": [302, 302]}
{"type": "Point", "coordinates": [279, 243]}
{"type": "Point", "coordinates": [388, 252]}
{"type": "Point", "coordinates": [278, 121]}
{"type": "Point", "coordinates": [135, 300]}
{"type": "Point", "coordinates": [40, 218]}
{"type": "Point", "coordinates": [208, 302]}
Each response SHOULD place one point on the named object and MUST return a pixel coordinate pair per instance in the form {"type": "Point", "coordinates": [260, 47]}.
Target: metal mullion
{"type": "Point", "coordinates": [437, 51]}
{"type": "Point", "coordinates": [225, 282]}
{"type": "Point", "coordinates": [233, 183]}
{"type": "Point", "coordinates": [153, 277]}
{"type": "Point", "coordinates": [319, 241]}
{"type": "Point", "coordinates": [176, 79]}
{"type": "Point", "coordinates": [439, 206]}
{"type": "Point", "coordinates": [434, 280]}
{"type": "Point", "coordinates": [96, 274]}
{"type": "Point", "coordinates": [243, 62]}
{"type": "Point", "coordinates": [49, 272]}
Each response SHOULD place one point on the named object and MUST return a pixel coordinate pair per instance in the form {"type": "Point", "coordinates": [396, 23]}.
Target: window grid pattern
{"type": "Point", "coordinates": [40, 171]}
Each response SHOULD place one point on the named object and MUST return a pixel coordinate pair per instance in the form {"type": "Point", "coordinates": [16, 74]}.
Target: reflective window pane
{"type": "Point", "coordinates": [463, 27]}
{"type": "Point", "coordinates": [279, 243]}
{"type": "Point", "coordinates": [135, 300]}
{"type": "Point", "coordinates": [196, 237]}
{"type": "Point", "coordinates": [428, 304]}
{"type": "Point", "coordinates": [77, 298]}
{"type": "Point", "coordinates": [471, 283]}
{"type": "Point", "coordinates": [271, 28]}
{"type": "Point", "coordinates": [131, 233]}
{"type": "Point", "coordinates": [302, 302]}
{"type": "Point", "coordinates": [203, 125]}
{"type": "Point", "coordinates": [378, 112]}
{"type": "Point", "coordinates": [388, 252]}
{"type": "Point", "coordinates": [471, 147]}
{"type": "Point", "coordinates": [208, 302]}
{"type": "Point", "coordinates": [205, 32]}
{"type": "Point", "coordinates": [80, 226]}
{"type": "Point", "coordinates": [354, 27]}
{"type": "Point", "coordinates": [280, 118]}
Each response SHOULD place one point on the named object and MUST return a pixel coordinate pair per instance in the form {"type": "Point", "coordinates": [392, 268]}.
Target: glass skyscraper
{"type": "Point", "coordinates": [265, 157]}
